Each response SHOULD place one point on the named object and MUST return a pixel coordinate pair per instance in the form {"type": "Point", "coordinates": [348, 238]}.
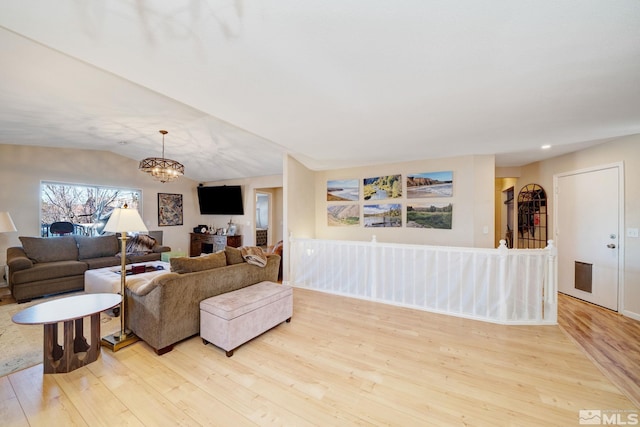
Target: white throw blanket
{"type": "Point", "coordinates": [145, 283]}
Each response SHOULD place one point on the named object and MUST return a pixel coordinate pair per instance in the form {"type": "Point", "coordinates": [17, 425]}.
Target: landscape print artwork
{"type": "Point", "coordinates": [430, 215]}
{"type": "Point", "coordinates": [387, 215]}
{"type": "Point", "coordinates": [383, 187]}
{"type": "Point", "coordinates": [343, 215]}
{"type": "Point", "coordinates": [430, 184]}
{"type": "Point", "coordinates": [342, 190]}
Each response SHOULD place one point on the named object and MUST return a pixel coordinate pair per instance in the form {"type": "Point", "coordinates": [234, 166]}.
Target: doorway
{"type": "Point", "coordinates": [508, 216]}
{"type": "Point", "coordinates": [588, 223]}
{"type": "Point", "coordinates": [263, 218]}
{"type": "Point", "coordinates": [532, 217]}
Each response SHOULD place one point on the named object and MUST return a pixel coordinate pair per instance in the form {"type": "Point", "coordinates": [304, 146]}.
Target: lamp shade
{"type": "Point", "coordinates": [123, 220]}
{"type": "Point", "coordinates": [6, 223]}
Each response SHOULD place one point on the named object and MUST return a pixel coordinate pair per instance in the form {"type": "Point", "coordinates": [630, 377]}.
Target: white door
{"type": "Point", "coordinates": [588, 222]}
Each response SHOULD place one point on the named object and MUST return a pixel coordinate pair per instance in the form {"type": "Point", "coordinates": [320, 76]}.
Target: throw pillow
{"type": "Point", "coordinates": [50, 249]}
{"type": "Point", "coordinates": [191, 265]}
{"type": "Point", "coordinates": [234, 255]}
{"type": "Point", "coordinates": [97, 246]}
{"type": "Point", "coordinates": [140, 243]}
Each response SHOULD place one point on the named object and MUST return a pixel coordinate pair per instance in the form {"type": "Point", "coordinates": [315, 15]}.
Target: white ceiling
{"type": "Point", "coordinates": [335, 83]}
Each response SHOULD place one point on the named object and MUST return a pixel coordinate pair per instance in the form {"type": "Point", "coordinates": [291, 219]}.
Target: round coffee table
{"type": "Point", "coordinates": [68, 356]}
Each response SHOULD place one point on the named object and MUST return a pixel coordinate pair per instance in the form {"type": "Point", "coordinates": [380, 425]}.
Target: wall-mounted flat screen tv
{"type": "Point", "coordinates": [220, 200]}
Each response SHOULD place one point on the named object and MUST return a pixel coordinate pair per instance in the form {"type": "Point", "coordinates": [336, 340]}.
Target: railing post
{"type": "Point", "coordinates": [289, 264]}
{"type": "Point", "coordinates": [374, 266]}
{"type": "Point", "coordinates": [550, 297]}
{"type": "Point", "coordinates": [503, 253]}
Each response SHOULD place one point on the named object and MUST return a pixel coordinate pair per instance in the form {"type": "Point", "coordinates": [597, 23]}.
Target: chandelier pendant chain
{"type": "Point", "coordinates": [163, 132]}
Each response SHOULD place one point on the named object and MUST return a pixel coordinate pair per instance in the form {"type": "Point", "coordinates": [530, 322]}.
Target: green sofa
{"type": "Point", "coordinates": [166, 309]}
{"type": "Point", "coordinates": [53, 265]}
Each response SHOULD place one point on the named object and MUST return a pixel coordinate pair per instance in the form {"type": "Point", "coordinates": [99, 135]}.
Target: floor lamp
{"type": "Point", "coordinates": [123, 221]}
{"type": "Point", "coordinates": [6, 226]}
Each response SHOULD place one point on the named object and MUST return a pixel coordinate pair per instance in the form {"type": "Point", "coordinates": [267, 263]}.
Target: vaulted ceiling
{"type": "Point", "coordinates": [334, 83]}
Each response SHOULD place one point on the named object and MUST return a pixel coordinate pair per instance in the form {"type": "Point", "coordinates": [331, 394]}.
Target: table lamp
{"type": "Point", "coordinates": [6, 223]}
{"type": "Point", "coordinates": [123, 221]}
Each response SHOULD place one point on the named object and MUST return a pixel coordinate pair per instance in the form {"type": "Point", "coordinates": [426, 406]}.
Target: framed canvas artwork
{"type": "Point", "coordinates": [169, 209]}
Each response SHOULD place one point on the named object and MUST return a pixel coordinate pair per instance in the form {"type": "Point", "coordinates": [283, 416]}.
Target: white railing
{"type": "Point", "coordinates": [509, 286]}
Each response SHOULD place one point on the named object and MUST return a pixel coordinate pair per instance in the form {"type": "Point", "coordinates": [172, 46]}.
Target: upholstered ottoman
{"type": "Point", "coordinates": [107, 279]}
{"type": "Point", "coordinates": [231, 319]}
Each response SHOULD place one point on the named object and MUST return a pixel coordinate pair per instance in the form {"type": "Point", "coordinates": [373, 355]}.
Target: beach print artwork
{"type": "Point", "coordinates": [430, 184]}
{"type": "Point", "coordinates": [343, 215]}
{"type": "Point", "coordinates": [387, 215]}
{"type": "Point", "coordinates": [383, 187]}
{"type": "Point", "coordinates": [430, 215]}
{"type": "Point", "coordinates": [342, 190]}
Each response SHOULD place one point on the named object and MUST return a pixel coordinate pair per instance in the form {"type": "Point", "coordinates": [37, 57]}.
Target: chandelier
{"type": "Point", "coordinates": [161, 169]}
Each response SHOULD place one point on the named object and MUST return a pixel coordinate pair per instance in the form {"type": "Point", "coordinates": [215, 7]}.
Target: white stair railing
{"type": "Point", "coordinates": [509, 286]}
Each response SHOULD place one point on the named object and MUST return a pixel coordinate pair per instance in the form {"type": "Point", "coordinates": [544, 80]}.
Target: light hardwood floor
{"type": "Point", "coordinates": [610, 340]}
{"type": "Point", "coordinates": [340, 361]}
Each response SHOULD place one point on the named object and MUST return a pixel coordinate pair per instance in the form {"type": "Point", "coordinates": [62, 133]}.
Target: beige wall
{"type": "Point", "coordinates": [473, 203]}
{"type": "Point", "coordinates": [303, 198]}
{"type": "Point", "coordinates": [299, 200]}
{"type": "Point", "coordinates": [275, 233]}
{"type": "Point", "coordinates": [278, 215]}
{"type": "Point", "coordinates": [502, 185]}
{"type": "Point", "coordinates": [25, 167]}
{"type": "Point", "coordinates": [626, 150]}
{"type": "Point", "coordinates": [299, 205]}
{"type": "Point", "coordinates": [246, 223]}
{"type": "Point", "coordinates": [22, 168]}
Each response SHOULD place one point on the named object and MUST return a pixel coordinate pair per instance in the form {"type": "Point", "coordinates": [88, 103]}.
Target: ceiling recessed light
{"type": "Point", "coordinates": [546, 147]}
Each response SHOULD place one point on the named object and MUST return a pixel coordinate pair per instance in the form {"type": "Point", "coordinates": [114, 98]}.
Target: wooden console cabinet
{"type": "Point", "coordinates": [209, 243]}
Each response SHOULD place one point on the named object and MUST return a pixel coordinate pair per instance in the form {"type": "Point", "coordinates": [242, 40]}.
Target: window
{"type": "Point", "coordinates": [86, 207]}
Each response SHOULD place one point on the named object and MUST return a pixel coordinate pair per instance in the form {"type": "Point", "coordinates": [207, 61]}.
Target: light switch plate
{"type": "Point", "coordinates": [632, 232]}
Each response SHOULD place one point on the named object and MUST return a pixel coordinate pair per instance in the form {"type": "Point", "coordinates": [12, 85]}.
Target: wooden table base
{"type": "Point", "coordinates": [75, 351]}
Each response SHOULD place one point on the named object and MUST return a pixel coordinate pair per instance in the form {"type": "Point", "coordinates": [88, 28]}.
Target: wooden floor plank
{"type": "Point", "coordinates": [344, 361]}
{"type": "Point", "coordinates": [246, 382]}
{"type": "Point", "coordinates": [148, 405]}
{"type": "Point", "coordinates": [42, 400]}
{"type": "Point", "coordinates": [610, 340]}
{"type": "Point", "coordinates": [184, 394]}
{"type": "Point", "coordinates": [94, 401]}
{"type": "Point", "coordinates": [10, 408]}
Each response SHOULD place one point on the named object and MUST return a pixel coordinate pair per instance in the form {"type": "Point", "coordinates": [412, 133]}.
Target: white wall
{"type": "Point", "coordinates": [22, 168]}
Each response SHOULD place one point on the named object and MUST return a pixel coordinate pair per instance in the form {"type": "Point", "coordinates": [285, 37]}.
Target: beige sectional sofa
{"type": "Point", "coordinates": [166, 309]}
{"type": "Point", "coordinates": [52, 265]}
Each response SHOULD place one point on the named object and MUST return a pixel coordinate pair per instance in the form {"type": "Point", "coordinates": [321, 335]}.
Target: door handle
{"type": "Point", "coordinates": [611, 246]}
